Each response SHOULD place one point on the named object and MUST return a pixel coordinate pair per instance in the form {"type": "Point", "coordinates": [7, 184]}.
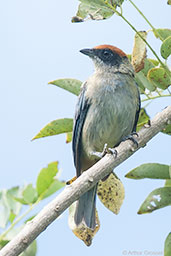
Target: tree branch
{"type": "Point", "coordinates": [86, 181]}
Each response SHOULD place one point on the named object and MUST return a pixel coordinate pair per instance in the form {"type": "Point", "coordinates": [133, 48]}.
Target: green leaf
{"type": "Point", "coordinates": [3, 243]}
{"type": "Point", "coordinates": [167, 129]}
{"type": "Point", "coordinates": [20, 200]}
{"type": "Point", "coordinates": [55, 186]}
{"type": "Point", "coordinates": [30, 194]}
{"type": "Point", "coordinates": [143, 119]}
{"type": "Point", "coordinates": [151, 171]}
{"type": "Point", "coordinates": [69, 84]}
{"type": "Point", "coordinates": [69, 137]}
{"type": "Point", "coordinates": [31, 250]}
{"type": "Point", "coordinates": [56, 127]}
{"type": "Point", "coordinates": [96, 10]}
{"type": "Point", "coordinates": [143, 79]}
{"type": "Point", "coordinates": [167, 245]}
{"type": "Point", "coordinates": [9, 207]}
{"type": "Point", "coordinates": [168, 183]}
{"type": "Point", "coordinates": [11, 194]}
{"type": "Point", "coordinates": [159, 198]}
{"type": "Point", "coordinates": [159, 78]}
{"type": "Point", "coordinates": [169, 2]}
{"type": "Point", "coordinates": [166, 48]}
{"type": "Point", "coordinates": [12, 217]}
{"type": "Point", "coordinates": [163, 33]}
{"type": "Point", "coordinates": [46, 183]}
{"type": "Point", "coordinates": [148, 64]}
{"type": "Point", "coordinates": [140, 84]}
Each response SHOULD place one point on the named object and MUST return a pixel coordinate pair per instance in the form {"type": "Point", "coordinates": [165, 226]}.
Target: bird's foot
{"type": "Point", "coordinates": [105, 151]}
{"type": "Point", "coordinates": [130, 137]}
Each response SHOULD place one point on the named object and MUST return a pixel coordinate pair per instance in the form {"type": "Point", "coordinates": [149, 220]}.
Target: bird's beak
{"type": "Point", "coordinates": [89, 52]}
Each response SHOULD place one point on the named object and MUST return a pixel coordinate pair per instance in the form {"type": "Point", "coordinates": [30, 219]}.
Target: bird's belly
{"type": "Point", "coordinates": [108, 123]}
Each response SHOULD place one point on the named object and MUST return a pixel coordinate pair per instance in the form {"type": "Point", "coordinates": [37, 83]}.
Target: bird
{"type": "Point", "coordinates": [106, 113]}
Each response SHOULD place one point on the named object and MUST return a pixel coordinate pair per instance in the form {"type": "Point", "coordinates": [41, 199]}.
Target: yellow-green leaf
{"type": "Point", "coordinates": [167, 244]}
{"type": "Point", "coordinates": [69, 84]}
{"type": "Point", "coordinates": [69, 137]}
{"type": "Point", "coordinates": [56, 127]}
{"type": "Point", "coordinates": [29, 194]}
{"type": "Point", "coordinates": [111, 193]}
{"type": "Point", "coordinates": [166, 48]}
{"type": "Point", "coordinates": [159, 198]}
{"type": "Point", "coordinates": [47, 183]}
{"type": "Point", "coordinates": [150, 171]}
{"type": "Point", "coordinates": [159, 77]}
{"type": "Point", "coordinates": [3, 243]}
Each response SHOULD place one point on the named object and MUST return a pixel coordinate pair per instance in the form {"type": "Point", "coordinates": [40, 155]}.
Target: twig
{"type": "Point", "coordinates": [86, 181]}
{"type": "Point", "coordinates": [139, 34]}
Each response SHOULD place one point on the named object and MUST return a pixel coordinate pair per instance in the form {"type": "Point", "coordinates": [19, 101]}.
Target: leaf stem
{"type": "Point", "coordinates": [146, 95]}
{"type": "Point", "coordinates": [155, 97]}
{"type": "Point", "coordinates": [153, 28]}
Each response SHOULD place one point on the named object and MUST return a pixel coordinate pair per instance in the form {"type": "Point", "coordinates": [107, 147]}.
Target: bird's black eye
{"type": "Point", "coordinates": [107, 55]}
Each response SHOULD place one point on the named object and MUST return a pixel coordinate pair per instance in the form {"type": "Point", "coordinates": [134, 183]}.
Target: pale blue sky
{"type": "Point", "coordinates": [40, 44]}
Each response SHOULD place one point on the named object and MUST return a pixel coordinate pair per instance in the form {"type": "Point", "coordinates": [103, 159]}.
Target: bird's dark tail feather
{"type": "Point", "coordinates": [85, 209]}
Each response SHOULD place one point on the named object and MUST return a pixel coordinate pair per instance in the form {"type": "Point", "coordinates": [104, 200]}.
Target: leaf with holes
{"type": "Point", "coordinates": [96, 10]}
{"type": "Point", "coordinates": [159, 198]}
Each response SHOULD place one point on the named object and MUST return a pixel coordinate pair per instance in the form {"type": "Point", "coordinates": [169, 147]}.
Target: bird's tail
{"type": "Point", "coordinates": [85, 209]}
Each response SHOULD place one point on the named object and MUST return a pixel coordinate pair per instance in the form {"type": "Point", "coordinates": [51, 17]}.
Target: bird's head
{"type": "Point", "coordinates": [109, 58]}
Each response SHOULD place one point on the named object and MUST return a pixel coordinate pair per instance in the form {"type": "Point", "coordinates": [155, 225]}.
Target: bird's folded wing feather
{"type": "Point", "coordinates": [80, 116]}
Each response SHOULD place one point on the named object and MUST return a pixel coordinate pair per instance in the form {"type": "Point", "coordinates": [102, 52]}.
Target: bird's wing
{"type": "Point", "coordinates": [80, 116]}
{"type": "Point", "coordinates": [137, 112]}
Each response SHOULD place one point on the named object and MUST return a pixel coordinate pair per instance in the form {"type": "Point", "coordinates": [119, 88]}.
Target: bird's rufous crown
{"type": "Point", "coordinates": [112, 48]}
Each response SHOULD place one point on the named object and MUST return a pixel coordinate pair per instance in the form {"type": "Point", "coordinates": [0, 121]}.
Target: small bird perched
{"type": "Point", "coordinates": [106, 113]}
